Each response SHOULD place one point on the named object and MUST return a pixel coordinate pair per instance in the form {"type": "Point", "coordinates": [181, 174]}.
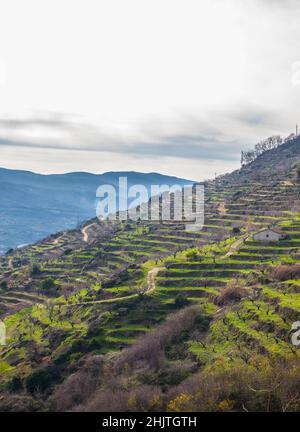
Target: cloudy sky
{"type": "Point", "coordinates": [174, 86]}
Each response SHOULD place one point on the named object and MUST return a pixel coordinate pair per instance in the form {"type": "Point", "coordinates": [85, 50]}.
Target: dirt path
{"type": "Point", "coordinates": [84, 232]}
{"type": "Point", "coordinates": [151, 278]}
{"type": "Point", "coordinates": [150, 286]}
{"type": "Point", "coordinates": [222, 210]}
{"type": "Point", "coordinates": [57, 240]}
{"type": "Point", "coordinates": [234, 247]}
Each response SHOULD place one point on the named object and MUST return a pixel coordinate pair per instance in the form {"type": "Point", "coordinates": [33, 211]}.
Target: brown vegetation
{"type": "Point", "coordinates": [79, 386]}
{"type": "Point", "coordinates": [150, 348]}
{"type": "Point", "coordinates": [269, 386]}
{"type": "Point", "coordinates": [285, 272]}
{"type": "Point", "coordinates": [231, 294]}
{"type": "Point", "coordinates": [260, 385]}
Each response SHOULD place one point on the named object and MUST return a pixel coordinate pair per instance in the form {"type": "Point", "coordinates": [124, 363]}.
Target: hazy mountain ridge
{"type": "Point", "coordinates": [32, 206]}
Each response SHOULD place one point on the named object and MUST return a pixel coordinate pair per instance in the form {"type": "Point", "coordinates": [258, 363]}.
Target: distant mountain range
{"type": "Point", "coordinates": [32, 206]}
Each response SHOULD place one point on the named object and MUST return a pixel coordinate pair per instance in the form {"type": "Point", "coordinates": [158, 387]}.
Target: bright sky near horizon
{"type": "Point", "coordinates": [174, 86]}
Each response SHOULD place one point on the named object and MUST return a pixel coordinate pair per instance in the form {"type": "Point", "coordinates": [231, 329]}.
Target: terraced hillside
{"type": "Point", "coordinates": [266, 309]}
{"type": "Point", "coordinates": [94, 295]}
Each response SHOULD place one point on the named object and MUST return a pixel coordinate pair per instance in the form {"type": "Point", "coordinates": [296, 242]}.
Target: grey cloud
{"type": "Point", "coordinates": [188, 136]}
{"type": "Point", "coordinates": [252, 117]}
{"type": "Point", "coordinates": [179, 147]}
{"type": "Point", "coordinates": [195, 147]}
{"type": "Point", "coordinates": [57, 120]}
{"type": "Point", "coordinates": [256, 116]}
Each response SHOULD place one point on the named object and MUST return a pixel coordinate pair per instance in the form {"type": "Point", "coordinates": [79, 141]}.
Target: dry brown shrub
{"type": "Point", "coordinates": [19, 403]}
{"type": "Point", "coordinates": [231, 294]}
{"type": "Point", "coordinates": [284, 272]}
{"type": "Point", "coordinates": [150, 348]}
{"type": "Point", "coordinates": [270, 387]}
{"type": "Point", "coordinates": [144, 398]}
{"type": "Point", "coordinates": [78, 387]}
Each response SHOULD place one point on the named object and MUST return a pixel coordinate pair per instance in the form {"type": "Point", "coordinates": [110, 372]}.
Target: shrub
{"type": "Point", "coordinates": [19, 403]}
{"type": "Point", "coordinates": [78, 387]}
{"type": "Point", "coordinates": [15, 384]}
{"type": "Point", "coordinates": [35, 270]}
{"type": "Point", "coordinates": [142, 398]}
{"type": "Point", "coordinates": [180, 301]}
{"type": "Point", "coordinates": [193, 254]}
{"type": "Point", "coordinates": [270, 387]}
{"type": "Point", "coordinates": [237, 195]}
{"type": "Point", "coordinates": [231, 294]}
{"type": "Point", "coordinates": [62, 358]}
{"type": "Point", "coordinates": [85, 345]}
{"type": "Point", "coordinates": [48, 284]}
{"type": "Point", "coordinates": [150, 348]}
{"type": "Point", "coordinates": [67, 252]}
{"type": "Point", "coordinates": [285, 272]}
{"type": "Point", "coordinates": [203, 322]}
{"type": "Point", "coordinates": [3, 284]}
{"type": "Point", "coordinates": [42, 379]}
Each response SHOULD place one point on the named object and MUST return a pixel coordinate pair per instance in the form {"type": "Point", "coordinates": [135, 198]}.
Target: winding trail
{"type": "Point", "coordinates": [84, 232]}
{"type": "Point", "coordinates": [151, 278]}
{"type": "Point", "coordinates": [234, 247]}
{"type": "Point", "coordinates": [222, 210]}
{"type": "Point", "coordinates": [57, 240]}
{"type": "Point", "coordinates": [150, 287]}
{"type": "Point", "coordinates": [10, 264]}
